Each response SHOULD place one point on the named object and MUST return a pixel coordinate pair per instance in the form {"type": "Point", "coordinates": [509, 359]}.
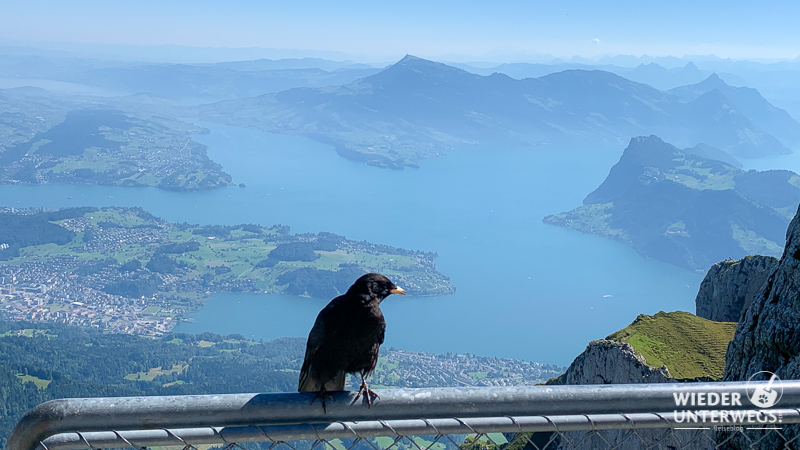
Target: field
{"type": "Point", "coordinates": [688, 345]}
{"type": "Point", "coordinates": [151, 374]}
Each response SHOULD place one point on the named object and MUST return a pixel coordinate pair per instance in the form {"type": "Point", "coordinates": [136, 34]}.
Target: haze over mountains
{"type": "Point", "coordinates": [650, 73]}
{"type": "Point", "coordinates": [186, 82]}
{"type": "Point", "coordinates": [224, 118]}
{"type": "Point", "coordinates": [417, 109]}
{"type": "Point", "coordinates": [750, 103]}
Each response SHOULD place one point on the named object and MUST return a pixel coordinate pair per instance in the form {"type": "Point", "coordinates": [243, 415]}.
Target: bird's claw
{"type": "Point", "coordinates": [368, 393]}
{"type": "Point", "coordinates": [321, 395]}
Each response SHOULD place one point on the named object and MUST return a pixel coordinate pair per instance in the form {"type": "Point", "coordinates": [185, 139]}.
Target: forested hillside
{"type": "Point", "coordinates": [40, 362]}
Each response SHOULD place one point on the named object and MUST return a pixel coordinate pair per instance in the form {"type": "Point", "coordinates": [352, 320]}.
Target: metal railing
{"type": "Point", "coordinates": [531, 417]}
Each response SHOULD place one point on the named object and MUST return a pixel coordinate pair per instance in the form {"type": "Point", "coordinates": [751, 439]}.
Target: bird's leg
{"type": "Point", "coordinates": [366, 391]}
{"type": "Point", "coordinates": [321, 395]}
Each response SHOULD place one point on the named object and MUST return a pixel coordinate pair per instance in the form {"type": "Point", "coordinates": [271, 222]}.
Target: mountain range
{"type": "Point", "coordinates": [418, 109]}
{"type": "Point", "coordinates": [183, 82]}
{"type": "Point", "coordinates": [650, 73]}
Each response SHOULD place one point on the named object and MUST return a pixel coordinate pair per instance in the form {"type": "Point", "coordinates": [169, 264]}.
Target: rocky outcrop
{"type": "Point", "coordinates": [609, 362]}
{"type": "Point", "coordinates": [729, 287]}
{"type": "Point", "coordinates": [768, 336]}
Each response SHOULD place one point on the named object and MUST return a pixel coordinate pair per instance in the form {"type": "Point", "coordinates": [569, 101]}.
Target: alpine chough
{"type": "Point", "coordinates": [346, 337]}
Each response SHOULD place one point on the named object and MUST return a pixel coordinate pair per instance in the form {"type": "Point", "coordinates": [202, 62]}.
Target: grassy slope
{"type": "Point", "coordinates": [688, 345]}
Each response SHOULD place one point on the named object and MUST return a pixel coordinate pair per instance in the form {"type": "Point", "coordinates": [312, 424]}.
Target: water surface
{"type": "Point", "coordinates": [524, 289]}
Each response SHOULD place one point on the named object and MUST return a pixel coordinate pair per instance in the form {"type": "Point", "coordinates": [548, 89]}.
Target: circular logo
{"type": "Point", "coordinates": [764, 389]}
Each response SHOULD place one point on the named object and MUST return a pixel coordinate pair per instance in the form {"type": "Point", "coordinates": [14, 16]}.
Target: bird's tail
{"type": "Point", "coordinates": [312, 384]}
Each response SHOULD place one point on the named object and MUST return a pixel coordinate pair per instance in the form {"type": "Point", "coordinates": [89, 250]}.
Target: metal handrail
{"type": "Point", "coordinates": [233, 413]}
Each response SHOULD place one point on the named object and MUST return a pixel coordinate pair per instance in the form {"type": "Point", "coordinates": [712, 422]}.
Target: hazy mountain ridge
{"type": "Point", "coordinates": [211, 83]}
{"type": "Point", "coordinates": [652, 73]}
{"type": "Point", "coordinates": [685, 209]}
{"type": "Point", "coordinates": [417, 109]}
{"type": "Point", "coordinates": [192, 82]}
{"type": "Point", "coordinates": [750, 102]}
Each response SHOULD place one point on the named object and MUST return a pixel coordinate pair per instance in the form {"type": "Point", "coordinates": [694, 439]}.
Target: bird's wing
{"type": "Point", "coordinates": [375, 350]}
{"type": "Point", "coordinates": [314, 341]}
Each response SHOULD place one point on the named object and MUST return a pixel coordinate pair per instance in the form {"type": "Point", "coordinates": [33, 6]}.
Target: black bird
{"type": "Point", "coordinates": [346, 337]}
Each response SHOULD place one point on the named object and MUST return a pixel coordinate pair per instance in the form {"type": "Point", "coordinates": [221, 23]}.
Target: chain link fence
{"type": "Point", "coordinates": [526, 418]}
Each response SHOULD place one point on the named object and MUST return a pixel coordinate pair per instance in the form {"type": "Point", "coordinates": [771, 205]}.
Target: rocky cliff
{"type": "Point", "coordinates": [609, 362]}
{"type": "Point", "coordinates": [768, 336]}
{"type": "Point", "coordinates": [729, 287]}
{"type": "Point", "coordinates": [763, 292]}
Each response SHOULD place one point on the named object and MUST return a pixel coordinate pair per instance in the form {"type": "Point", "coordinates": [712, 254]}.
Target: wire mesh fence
{"type": "Point", "coordinates": [739, 437]}
{"type": "Point", "coordinates": [530, 418]}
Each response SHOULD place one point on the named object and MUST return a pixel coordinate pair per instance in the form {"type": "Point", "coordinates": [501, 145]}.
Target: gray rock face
{"type": "Point", "coordinates": [729, 287]}
{"type": "Point", "coordinates": [768, 337]}
{"type": "Point", "coordinates": [609, 362]}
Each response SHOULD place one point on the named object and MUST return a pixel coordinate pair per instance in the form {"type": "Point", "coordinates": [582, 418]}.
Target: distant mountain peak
{"type": "Point", "coordinates": [714, 78]}
{"type": "Point", "coordinates": [690, 70]}
{"type": "Point", "coordinates": [749, 102]}
{"type": "Point", "coordinates": [415, 61]}
{"type": "Point", "coordinates": [411, 58]}
{"type": "Point", "coordinates": [644, 147]}
{"type": "Point", "coordinates": [413, 67]}
{"type": "Point", "coordinates": [646, 159]}
{"type": "Point", "coordinates": [712, 82]}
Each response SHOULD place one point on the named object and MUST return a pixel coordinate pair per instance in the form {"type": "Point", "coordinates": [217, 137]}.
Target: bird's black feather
{"type": "Point", "coordinates": [346, 336]}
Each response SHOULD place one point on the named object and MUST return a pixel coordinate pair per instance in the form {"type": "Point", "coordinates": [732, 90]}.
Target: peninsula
{"type": "Point", "coordinates": [124, 270]}
{"type": "Point", "coordinates": [46, 139]}
{"type": "Point", "coordinates": [678, 207]}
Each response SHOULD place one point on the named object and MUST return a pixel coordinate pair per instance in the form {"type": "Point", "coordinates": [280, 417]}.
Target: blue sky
{"type": "Point", "coordinates": [455, 30]}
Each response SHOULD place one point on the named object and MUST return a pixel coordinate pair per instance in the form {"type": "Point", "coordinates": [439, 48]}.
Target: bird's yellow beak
{"type": "Point", "coordinates": [398, 290]}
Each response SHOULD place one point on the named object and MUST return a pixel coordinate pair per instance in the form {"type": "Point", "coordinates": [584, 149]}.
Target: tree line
{"type": "Point", "coordinates": [78, 362]}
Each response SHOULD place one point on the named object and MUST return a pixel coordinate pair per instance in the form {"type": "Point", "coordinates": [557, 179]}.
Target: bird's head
{"type": "Point", "coordinates": [375, 285]}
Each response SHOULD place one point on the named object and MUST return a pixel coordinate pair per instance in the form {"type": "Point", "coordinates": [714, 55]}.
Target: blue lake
{"type": "Point", "coordinates": [524, 289]}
